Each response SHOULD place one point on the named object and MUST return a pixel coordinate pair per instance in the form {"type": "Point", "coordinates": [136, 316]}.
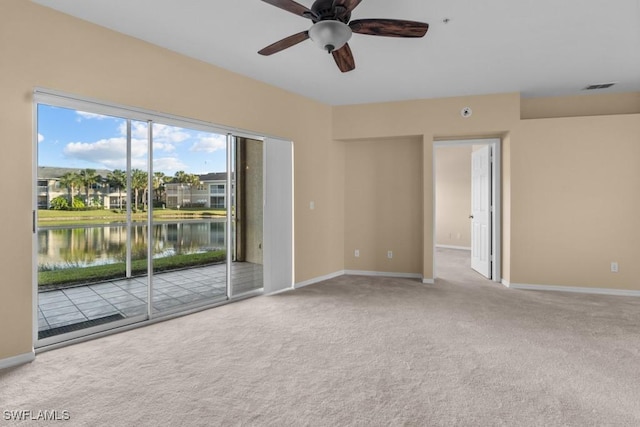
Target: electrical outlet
{"type": "Point", "coordinates": [389, 254]}
{"type": "Point", "coordinates": [356, 253]}
{"type": "Point", "coordinates": [312, 205]}
{"type": "Point", "coordinates": [614, 267]}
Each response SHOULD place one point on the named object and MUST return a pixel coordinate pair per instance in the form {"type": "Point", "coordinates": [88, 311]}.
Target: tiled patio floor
{"type": "Point", "coordinates": [128, 297]}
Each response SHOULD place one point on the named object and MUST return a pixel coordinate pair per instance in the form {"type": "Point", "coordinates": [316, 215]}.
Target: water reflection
{"type": "Point", "coordinates": [60, 247]}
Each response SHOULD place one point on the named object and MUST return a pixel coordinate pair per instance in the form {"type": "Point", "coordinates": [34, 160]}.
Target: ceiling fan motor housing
{"type": "Point", "coordinates": [324, 10]}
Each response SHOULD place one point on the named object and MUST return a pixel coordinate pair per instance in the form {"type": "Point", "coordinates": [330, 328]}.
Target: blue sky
{"type": "Point", "coordinates": [75, 139]}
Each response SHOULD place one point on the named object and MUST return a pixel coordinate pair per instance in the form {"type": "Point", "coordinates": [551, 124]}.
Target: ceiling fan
{"type": "Point", "coordinates": [332, 28]}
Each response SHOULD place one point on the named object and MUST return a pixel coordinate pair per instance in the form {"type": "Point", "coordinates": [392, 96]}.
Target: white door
{"type": "Point", "coordinates": [481, 211]}
{"type": "Point", "coordinates": [278, 215]}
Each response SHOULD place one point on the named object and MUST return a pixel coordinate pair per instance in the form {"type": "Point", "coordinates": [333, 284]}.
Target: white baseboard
{"type": "Point", "coordinates": [319, 279]}
{"type": "Point", "coordinates": [575, 289]}
{"type": "Point", "coordinates": [461, 248]}
{"type": "Point", "coordinates": [428, 281]}
{"type": "Point", "coordinates": [356, 273]}
{"type": "Point", "coordinates": [279, 291]}
{"type": "Point", "coordinates": [20, 359]}
{"type": "Point", "coordinates": [383, 274]}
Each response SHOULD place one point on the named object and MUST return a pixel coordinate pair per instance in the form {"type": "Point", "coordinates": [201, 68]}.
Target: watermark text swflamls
{"type": "Point", "coordinates": [41, 415]}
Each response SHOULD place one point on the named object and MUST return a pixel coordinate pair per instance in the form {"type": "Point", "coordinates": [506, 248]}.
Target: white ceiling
{"type": "Point", "coordinates": [536, 47]}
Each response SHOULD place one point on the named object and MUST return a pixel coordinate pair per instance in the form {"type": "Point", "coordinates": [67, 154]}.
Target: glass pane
{"type": "Point", "coordinates": [189, 179]}
{"type": "Point", "coordinates": [82, 231]}
{"type": "Point", "coordinates": [246, 268]}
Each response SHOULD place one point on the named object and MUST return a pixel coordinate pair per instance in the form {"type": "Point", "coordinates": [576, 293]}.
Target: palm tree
{"type": "Point", "coordinates": [193, 180]}
{"type": "Point", "coordinates": [138, 182]}
{"type": "Point", "coordinates": [190, 179]}
{"type": "Point", "coordinates": [117, 179]}
{"type": "Point", "coordinates": [158, 185]}
{"type": "Point", "coordinates": [181, 178]}
{"type": "Point", "coordinates": [70, 181]}
{"type": "Point", "coordinates": [88, 177]}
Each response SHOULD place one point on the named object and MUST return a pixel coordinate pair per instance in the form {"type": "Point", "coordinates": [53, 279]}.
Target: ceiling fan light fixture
{"type": "Point", "coordinates": [330, 35]}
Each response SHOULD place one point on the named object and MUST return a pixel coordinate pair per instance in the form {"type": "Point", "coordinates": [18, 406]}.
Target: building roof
{"type": "Point", "coordinates": [52, 172]}
{"type": "Point", "coordinates": [213, 176]}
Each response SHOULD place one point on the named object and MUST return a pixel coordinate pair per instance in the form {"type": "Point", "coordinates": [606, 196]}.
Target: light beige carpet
{"type": "Point", "coordinates": [357, 351]}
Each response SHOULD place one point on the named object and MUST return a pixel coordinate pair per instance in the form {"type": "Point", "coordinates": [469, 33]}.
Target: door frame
{"type": "Point", "coordinates": [73, 101]}
{"type": "Point", "coordinates": [496, 199]}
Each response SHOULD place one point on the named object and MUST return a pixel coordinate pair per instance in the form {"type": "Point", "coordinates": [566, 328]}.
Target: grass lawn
{"type": "Point", "coordinates": [84, 275]}
{"type": "Point", "coordinates": [49, 217]}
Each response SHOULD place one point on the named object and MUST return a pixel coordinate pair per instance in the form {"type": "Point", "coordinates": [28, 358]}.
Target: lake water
{"type": "Point", "coordinates": [60, 247]}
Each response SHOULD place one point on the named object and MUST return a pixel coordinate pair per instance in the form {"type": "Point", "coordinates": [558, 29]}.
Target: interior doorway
{"type": "Point", "coordinates": [466, 176]}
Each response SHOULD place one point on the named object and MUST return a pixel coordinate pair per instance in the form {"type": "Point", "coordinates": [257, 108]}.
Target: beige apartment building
{"type": "Point", "coordinates": [210, 193]}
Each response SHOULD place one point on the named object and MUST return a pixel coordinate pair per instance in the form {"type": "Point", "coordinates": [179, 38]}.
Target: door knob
{"type": "Point", "coordinates": [470, 216]}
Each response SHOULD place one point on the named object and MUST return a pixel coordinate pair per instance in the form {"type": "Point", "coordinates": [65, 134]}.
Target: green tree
{"type": "Point", "coordinates": [159, 179]}
{"type": "Point", "coordinates": [193, 181]}
{"type": "Point", "coordinates": [71, 181]}
{"type": "Point", "coordinates": [59, 203]}
{"type": "Point", "coordinates": [88, 177]}
{"type": "Point", "coordinates": [117, 179]}
{"type": "Point", "coordinates": [78, 202]}
{"type": "Point", "coordinates": [139, 179]}
{"type": "Point", "coordinates": [190, 180]}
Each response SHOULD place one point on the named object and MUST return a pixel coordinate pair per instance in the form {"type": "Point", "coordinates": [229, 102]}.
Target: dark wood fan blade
{"type": "Point", "coordinates": [345, 6]}
{"type": "Point", "coordinates": [284, 43]}
{"type": "Point", "coordinates": [389, 27]}
{"type": "Point", "coordinates": [344, 58]}
{"type": "Point", "coordinates": [293, 7]}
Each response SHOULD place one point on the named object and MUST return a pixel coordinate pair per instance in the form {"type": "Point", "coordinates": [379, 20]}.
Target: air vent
{"type": "Point", "coordinates": [599, 86]}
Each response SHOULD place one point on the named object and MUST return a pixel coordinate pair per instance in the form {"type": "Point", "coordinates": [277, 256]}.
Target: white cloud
{"type": "Point", "coordinates": [209, 144]}
{"type": "Point", "coordinates": [111, 152]}
{"type": "Point", "coordinates": [40, 137]}
{"type": "Point", "coordinates": [159, 146]}
{"type": "Point", "coordinates": [168, 165]}
{"type": "Point", "coordinates": [165, 137]}
{"type": "Point", "coordinates": [86, 115]}
{"type": "Point", "coordinates": [169, 134]}
{"type": "Point", "coordinates": [108, 152]}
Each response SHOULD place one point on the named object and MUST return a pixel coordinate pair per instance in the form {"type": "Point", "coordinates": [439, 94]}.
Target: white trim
{"type": "Point", "coordinates": [496, 190]}
{"type": "Point", "coordinates": [428, 281]}
{"type": "Point", "coordinates": [279, 291]}
{"type": "Point", "coordinates": [382, 274]}
{"type": "Point", "coordinates": [58, 98]}
{"type": "Point", "coordinates": [319, 279]}
{"type": "Point", "coordinates": [575, 289]}
{"type": "Point", "coordinates": [34, 226]}
{"type": "Point", "coordinates": [505, 283]}
{"type": "Point", "coordinates": [20, 359]}
{"type": "Point", "coordinates": [360, 273]}
{"type": "Point", "coordinates": [460, 248]}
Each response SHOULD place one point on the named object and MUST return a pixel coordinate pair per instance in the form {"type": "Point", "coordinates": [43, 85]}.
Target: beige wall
{"type": "Point", "coordinates": [383, 205]}
{"type": "Point", "coordinates": [433, 119]}
{"type": "Point", "coordinates": [453, 195]}
{"type": "Point", "coordinates": [575, 198]}
{"type": "Point", "coordinates": [593, 104]}
{"type": "Point", "coordinates": [41, 47]}
{"type": "Point", "coordinates": [570, 185]}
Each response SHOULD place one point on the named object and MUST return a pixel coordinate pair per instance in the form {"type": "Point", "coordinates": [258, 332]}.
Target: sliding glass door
{"type": "Point", "coordinates": [90, 234]}
{"type": "Point", "coordinates": [189, 218]}
{"type": "Point", "coordinates": [138, 217]}
{"type": "Point", "coordinates": [247, 183]}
